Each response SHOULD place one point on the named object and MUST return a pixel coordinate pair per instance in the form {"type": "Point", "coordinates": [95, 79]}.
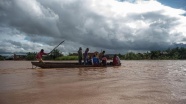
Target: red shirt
{"type": "Point", "coordinates": [115, 62]}
{"type": "Point", "coordinates": [40, 54]}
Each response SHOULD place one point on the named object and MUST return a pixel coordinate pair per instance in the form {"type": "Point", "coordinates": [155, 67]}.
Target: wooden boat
{"type": "Point", "coordinates": [65, 65]}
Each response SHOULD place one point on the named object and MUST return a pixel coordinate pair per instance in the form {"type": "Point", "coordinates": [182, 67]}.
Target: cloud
{"type": "Point", "coordinates": [98, 24]}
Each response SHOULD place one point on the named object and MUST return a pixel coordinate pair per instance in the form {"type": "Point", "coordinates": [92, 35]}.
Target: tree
{"type": "Point", "coordinates": [31, 56]}
{"type": "Point", "coordinates": [54, 54]}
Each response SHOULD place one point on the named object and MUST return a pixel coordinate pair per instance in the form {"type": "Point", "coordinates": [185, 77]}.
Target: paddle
{"type": "Point", "coordinates": [56, 46]}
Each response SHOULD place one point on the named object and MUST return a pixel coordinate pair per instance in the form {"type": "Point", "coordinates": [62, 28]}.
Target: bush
{"type": "Point", "coordinates": [67, 58]}
{"type": "Point", "coordinates": [31, 56]}
{"type": "Point", "coordinates": [1, 57]}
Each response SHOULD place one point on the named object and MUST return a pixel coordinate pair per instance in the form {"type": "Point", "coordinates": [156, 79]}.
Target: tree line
{"type": "Point", "coordinates": [178, 53]}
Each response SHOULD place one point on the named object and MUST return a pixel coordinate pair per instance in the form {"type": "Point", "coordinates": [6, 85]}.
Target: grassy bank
{"type": "Point", "coordinates": [67, 58]}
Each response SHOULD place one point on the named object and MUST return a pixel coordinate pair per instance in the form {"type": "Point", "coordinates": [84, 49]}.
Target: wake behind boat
{"type": "Point", "coordinates": [65, 65]}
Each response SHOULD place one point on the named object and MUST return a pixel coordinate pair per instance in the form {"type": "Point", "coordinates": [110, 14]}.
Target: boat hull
{"type": "Point", "coordinates": [65, 65]}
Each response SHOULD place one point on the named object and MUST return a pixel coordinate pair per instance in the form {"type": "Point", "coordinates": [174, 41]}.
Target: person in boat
{"type": "Point", "coordinates": [80, 55]}
{"type": "Point", "coordinates": [96, 54]}
{"type": "Point", "coordinates": [89, 60]}
{"type": "Point", "coordinates": [101, 56]}
{"type": "Point", "coordinates": [116, 60]}
{"type": "Point", "coordinates": [40, 54]}
{"type": "Point", "coordinates": [85, 56]}
{"type": "Point", "coordinates": [95, 60]}
{"type": "Point", "coordinates": [104, 60]}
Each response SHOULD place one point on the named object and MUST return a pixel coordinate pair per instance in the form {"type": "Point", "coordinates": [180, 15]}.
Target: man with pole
{"type": "Point", "coordinates": [41, 53]}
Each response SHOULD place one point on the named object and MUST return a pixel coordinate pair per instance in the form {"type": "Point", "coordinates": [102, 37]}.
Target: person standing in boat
{"type": "Point", "coordinates": [80, 55]}
{"type": "Point", "coordinates": [85, 56]}
{"type": "Point", "coordinates": [40, 54]}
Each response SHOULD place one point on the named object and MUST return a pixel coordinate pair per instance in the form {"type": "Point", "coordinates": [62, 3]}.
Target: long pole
{"type": "Point", "coordinates": [57, 46]}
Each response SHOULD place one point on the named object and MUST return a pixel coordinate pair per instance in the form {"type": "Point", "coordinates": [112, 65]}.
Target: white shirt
{"type": "Point", "coordinates": [118, 59]}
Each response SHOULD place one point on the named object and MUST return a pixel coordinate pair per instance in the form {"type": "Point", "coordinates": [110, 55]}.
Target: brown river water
{"type": "Point", "coordinates": [135, 82]}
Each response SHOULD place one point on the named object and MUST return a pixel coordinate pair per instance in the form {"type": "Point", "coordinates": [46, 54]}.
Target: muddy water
{"type": "Point", "coordinates": [135, 82]}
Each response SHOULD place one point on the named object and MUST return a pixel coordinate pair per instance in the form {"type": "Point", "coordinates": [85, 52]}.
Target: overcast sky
{"type": "Point", "coordinates": [117, 26]}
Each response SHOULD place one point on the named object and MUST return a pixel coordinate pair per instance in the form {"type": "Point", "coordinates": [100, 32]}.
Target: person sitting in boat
{"type": "Point", "coordinates": [89, 60]}
{"type": "Point", "coordinates": [85, 56]}
{"type": "Point", "coordinates": [80, 55]}
{"type": "Point", "coordinates": [104, 60]}
{"type": "Point", "coordinates": [101, 56]}
{"type": "Point", "coordinates": [95, 60]}
{"type": "Point", "coordinates": [96, 54]}
{"type": "Point", "coordinates": [116, 60]}
{"type": "Point", "coordinates": [40, 54]}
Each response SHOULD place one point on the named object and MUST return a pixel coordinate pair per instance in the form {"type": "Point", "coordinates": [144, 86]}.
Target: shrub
{"type": "Point", "coordinates": [67, 58]}
{"type": "Point", "coordinates": [31, 56]}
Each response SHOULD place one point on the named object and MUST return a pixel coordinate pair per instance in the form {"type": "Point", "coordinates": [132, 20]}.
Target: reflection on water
{"type": "Point", "coordinates": [137, 82]}
{"type": "Point", "coordinates": [40, 73]}
{"type": "Point", "coordinates": [91, 71]}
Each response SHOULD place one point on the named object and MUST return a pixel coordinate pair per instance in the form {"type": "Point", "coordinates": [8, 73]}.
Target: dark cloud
{"type": "Point", "coordinates": [78, 22]}
{"type": "Point", "coordinates": [17, 44]}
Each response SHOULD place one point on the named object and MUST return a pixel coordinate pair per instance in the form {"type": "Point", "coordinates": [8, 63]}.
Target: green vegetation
{"type": "Point", "coordinates": [169, 54]}
{"type": "Point", "coordinates": [67, 58]}
{"type": "Point", "coordinates": [54, 54]}
{"type": "Point", "coordinates": [31, 56]}
{"type": "Point", "coordinates": [1, 57]}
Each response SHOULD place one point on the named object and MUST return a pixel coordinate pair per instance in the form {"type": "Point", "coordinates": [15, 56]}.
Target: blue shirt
{"type": "Point", "coordinates": [95, 60]}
